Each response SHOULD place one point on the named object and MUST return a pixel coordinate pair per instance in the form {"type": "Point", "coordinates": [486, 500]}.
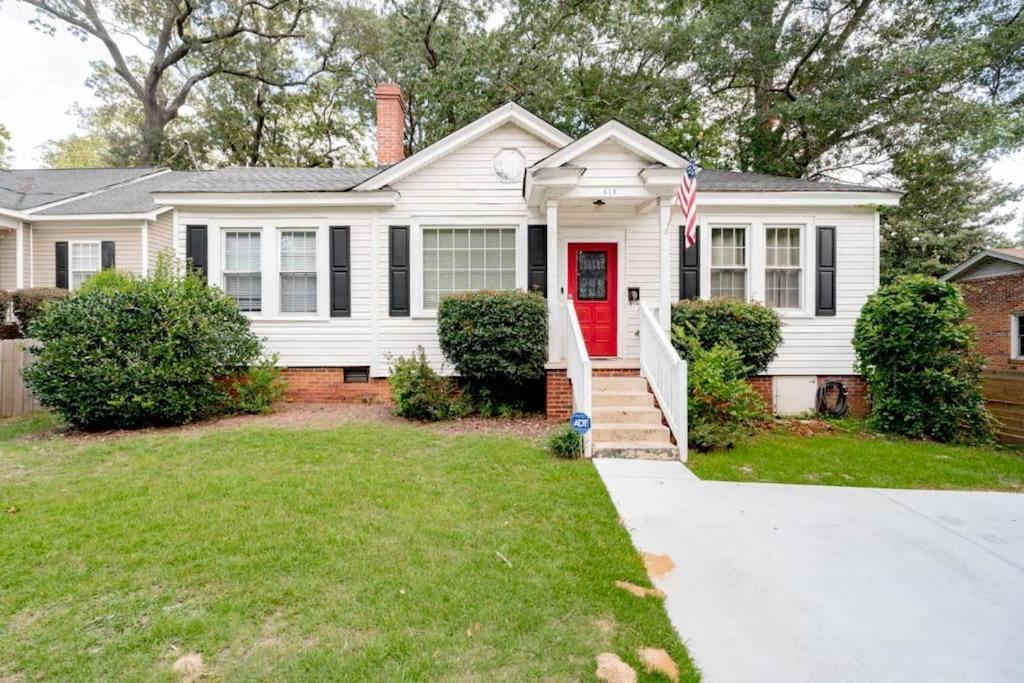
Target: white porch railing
{"type": "Point", "coordinates": [578, 368]}
{"type": "Point", "coordinates": [665, 371]}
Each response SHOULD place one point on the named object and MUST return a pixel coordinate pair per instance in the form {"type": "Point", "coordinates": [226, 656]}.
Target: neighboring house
{"type": "Point", "coordinates": [992, 282]}
{"type": "Point", "coordinates": [341, 269]}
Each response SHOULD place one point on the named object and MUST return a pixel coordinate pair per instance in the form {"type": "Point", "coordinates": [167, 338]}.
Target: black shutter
{"type": "Point", "coordinates": [195, 248]}
{"type": "Point", "coordinates": [689, 266]}
{"type": "Point", "coordinates": [106, 255]}
{"type": "Point", "coordinates": [341, 272]}
{"type": "Point", "coordinates": [62, 265]}
{"type": "Point", "coordinates": [537, 249]}
{"type": "Point", "coordinates": [825, 282]}
{"type": "Point", "coordinates": [398, 276]}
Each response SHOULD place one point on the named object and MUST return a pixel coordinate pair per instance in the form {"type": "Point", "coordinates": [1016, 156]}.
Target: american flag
{"type": "Point", "coordinates": [686, 195]}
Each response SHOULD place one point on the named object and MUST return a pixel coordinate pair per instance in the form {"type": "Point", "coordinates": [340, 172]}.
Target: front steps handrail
{"type": "Point", "coordinates": [665, 371]}
{"type": "Point", "coordinates": [578, 369]}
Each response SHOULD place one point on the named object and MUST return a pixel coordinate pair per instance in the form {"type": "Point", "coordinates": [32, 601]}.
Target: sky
{"type": "Point", "coordinates": [43, 77]}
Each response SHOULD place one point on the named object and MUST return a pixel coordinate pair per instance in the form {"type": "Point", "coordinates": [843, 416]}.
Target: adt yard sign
{"type": "Point", "coordinates": [580, 423]}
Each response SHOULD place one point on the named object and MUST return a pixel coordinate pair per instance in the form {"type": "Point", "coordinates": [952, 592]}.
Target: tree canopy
{"type": "Point", "coordinates": [917, 94]}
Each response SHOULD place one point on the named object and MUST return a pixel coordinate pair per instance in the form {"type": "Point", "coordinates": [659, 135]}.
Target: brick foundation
{"type": "Point", "coordinates": [328, 385]}
{"type": "Point", "coordinates": [765, 388]}
{"type": "Point", "coordinates": [856, 392]}
{"type": "Point", "coordinates": [558, 395]}
{"type": "Point", "coordinates": [991, 302]}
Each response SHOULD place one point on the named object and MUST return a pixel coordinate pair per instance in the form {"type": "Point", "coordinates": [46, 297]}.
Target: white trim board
{"type": "Point", "coordinates": [635, 142]}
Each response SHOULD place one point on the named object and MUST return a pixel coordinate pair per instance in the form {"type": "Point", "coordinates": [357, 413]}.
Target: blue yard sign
{"type": "Point", "coordinates": [580, 423]}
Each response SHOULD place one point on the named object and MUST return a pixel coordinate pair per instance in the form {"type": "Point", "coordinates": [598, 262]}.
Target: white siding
{"type": "Point", "coordinates": [161, 238]}
{"type": "Point", "coordinates": [460, 186]}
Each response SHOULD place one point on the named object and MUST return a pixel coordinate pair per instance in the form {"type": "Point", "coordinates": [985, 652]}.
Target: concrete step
{"type": "Point", "coordinates": [622, 399]}
{"type": "Point", "coordinates": [634, 414]}
{"type": "Point", "coordinates": [630, 431]}
{"type": "Point", "coordinates": [636, 450]}
{"type": "Point", "coordinates": [613, 384]}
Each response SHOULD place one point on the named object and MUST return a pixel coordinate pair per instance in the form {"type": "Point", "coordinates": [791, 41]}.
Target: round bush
{"type": "Point", "coordinates": [754, 330]}
{"type": "Point", "coordinates": [29, 303]}
{"type": "Point", "coordinates": [916, 352]}
{"type": "Point", "coordinates": [496, 340]}
{"type": "Point", "coordinates": [149, 351]}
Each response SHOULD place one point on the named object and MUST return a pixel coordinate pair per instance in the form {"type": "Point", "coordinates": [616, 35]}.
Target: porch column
{"type": "Point", "coordinates": [19, 256]}
{"type": "Point", "coordinates": [554, 312]}
{"type": "Point", "coordinates": [664, 254]}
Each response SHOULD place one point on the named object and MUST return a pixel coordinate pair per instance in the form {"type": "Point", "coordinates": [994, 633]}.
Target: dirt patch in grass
{"type": "Point", "coordinates": [318, 416]}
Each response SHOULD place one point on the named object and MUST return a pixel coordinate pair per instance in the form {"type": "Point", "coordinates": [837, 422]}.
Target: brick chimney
{"type": "Point", "coordinates": [390, 123]}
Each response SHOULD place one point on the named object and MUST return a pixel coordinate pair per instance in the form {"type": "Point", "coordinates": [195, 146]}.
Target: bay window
{"type": "Point", "coordinates": [467, 259]}
{"type": "Point", "coordinates": [84, 261]}
{"type": "Point", "coordinates": [242, 280]}
{"type": "Point", "coordinates": [728, 262]}
{"type": "Point", "coordinates": [298, 271]}
{"type": "Point", "coordinates": [783, 267]}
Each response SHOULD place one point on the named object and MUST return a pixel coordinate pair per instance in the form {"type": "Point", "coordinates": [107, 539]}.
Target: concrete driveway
{"type": "Point", "coordinates": [813, 583]}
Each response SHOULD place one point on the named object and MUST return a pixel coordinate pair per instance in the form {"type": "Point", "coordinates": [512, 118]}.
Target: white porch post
{"type": "Point", "coordinates": [554, 318]}
{"type": "Point", "coordinates": [664, 278]}
{"type": "Point", "coordinates": [19, 256]}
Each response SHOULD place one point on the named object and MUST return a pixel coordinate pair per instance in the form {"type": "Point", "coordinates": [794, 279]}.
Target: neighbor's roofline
{"type": "Point", "coordinates": [507, 113]}
{"type": "Point", "coordinates": [91, 193]}
{"type": "Point", "coordinates": [981, 255]}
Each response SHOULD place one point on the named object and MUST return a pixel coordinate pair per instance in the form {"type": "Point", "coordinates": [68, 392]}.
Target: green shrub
{"type": "Point", "coordinates": [565, 443]}
{"type": "Point", "coordinates": [754, 330]}
{"type": "Point", "coordinates": [152, 352]}
{"type": "Point", "coordinates": [109, 280]}
{"type": "Point", "coordinates": [722, 405]}
{"type": "Point", "coordinates": [419, 392]}
{"type": "Point", "coordinates": [917, 353]}
{"type": "Point", "coordinates": [257, 389]}
{"type": "Point", "coordinates": [5, 301]}
{"type": "Point", "coordinates": [29, 303]}
{"type": "Point", "coordinates": [498, 343]}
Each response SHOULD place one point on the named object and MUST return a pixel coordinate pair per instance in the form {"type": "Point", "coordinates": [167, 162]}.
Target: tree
{"type": "Point", "coordinates": [187, 41]}
{"type": "Point", "coordinates": [88, 150]}
{"type": "Point", "coordinates": [5, 145]}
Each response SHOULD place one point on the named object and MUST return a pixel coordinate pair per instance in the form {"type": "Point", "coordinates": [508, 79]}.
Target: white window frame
{"type": "Point", "coordinates": [486, 222]}
{"type": "Point", "coordinates": [317, 272]}
{"type": "Point", "coordinates": [747, 229]}
{"type": "Point", "coordinates": [71, 250]}
{"type": "Point", "coordinates": [1016, 320]}
{"type": "Point", "coordinates": [756, 280]}
{"type": "Point", "coordinates": [801, 269]}
{"type": "Point", "coordinates": [224, 272]}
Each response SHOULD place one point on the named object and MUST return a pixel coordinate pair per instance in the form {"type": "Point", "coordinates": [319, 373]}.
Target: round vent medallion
{"type": "Point", "coordinates": [509, 165]}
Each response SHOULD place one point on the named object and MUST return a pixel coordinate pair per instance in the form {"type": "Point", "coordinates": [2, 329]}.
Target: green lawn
{"type": "Point", "coordinates": [364, 552]}
{"type": "Point", "coordinates": [850, 456]}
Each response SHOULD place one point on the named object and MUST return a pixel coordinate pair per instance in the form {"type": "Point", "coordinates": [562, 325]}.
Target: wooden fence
{"type": "Point", "coordinates": [15, 398]}
{"type": "Point", "coordinates": [1004, 394]}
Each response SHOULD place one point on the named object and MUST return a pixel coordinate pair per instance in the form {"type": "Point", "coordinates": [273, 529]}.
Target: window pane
{"type": "Point", "coordinates": [466, 259]}
{"type": "Point", "coordinates": [728, 246]}
{"type": "Point", "coordinates": [728, 284]}
{"type": "Point", "coordinates": [244, 288]}
{"type": "Point", "coordinates": [85, 256]}
{"type": "Point", "coordinates": [241, 252]}
{"type": "Point", "coordinates": [782, 288]}
{"type": "Point", "coordinates": [298, 292]}
{"type": "Point", "coordinates": [298, 252]}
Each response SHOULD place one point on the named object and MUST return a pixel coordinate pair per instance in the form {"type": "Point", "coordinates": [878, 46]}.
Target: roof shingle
{"type": "Point", "coordinates": [22, 189]}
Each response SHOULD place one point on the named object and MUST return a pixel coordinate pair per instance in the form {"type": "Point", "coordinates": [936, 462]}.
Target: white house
{"type": "Point", "coordinates": [339, 269]}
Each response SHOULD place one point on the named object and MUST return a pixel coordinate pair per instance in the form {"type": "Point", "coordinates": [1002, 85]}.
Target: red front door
{"type": "Point", "coordinates": [593, 288]}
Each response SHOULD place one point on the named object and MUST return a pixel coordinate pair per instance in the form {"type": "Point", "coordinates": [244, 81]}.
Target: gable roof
{"type": "Point", "coordinates": [26, 189]}
{"type": "Point", "coordinates": [128, 198]}
{"type": "Point", "coordinates": [507, 113]}
{"type": "Point", "coordinates": [1009, 256]}
{"type": "Point", "coordinates": [614, 130]}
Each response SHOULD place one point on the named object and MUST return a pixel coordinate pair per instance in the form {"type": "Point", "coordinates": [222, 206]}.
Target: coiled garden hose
{"type": "Point", "coordinates": [838, 407]}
